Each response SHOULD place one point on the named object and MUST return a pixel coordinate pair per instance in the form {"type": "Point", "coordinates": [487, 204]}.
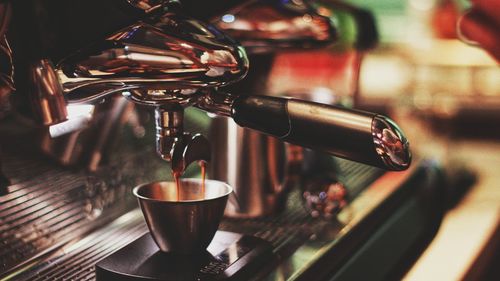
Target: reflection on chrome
{"type": "Point", "coordinates": [390, 143]}
{"type": "Point", "coordinates": [168, 52]}
{"type": "Point", "coordinates": [264, 26]}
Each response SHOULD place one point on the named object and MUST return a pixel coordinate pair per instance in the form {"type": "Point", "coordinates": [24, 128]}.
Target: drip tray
{"type": "Point", "coordinates": [230, 256]}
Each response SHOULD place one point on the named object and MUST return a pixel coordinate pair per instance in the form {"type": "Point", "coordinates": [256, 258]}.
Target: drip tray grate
{"type": "Point", "coordinates": [286, 231]}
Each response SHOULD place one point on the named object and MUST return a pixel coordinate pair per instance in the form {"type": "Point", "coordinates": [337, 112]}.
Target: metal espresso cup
{"type": "Point", "coordinates": [187, 225]}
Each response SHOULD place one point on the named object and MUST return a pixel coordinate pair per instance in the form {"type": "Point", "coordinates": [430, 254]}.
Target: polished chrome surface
{"type": "Point", "coordinates": [390, 143]}
{"type": "Point", "coordinates": [356, 135]}
{"type": "Point", "coordinates": [183, 220]}
{"type": "Point", "coordinates": [169, 120]}
{"type": "Point", "coordinates": [270, 25]}
{"type": "Point", "coordinates": [255, 165]}
{"type": "Point", "coordinates": [184, 97]}
{"type": "Point", "coordinates": [167, 52]}
{"type": "Point", "coordinates": [216, 102]}
{"type": "Point", "coordinates": [47, 93]}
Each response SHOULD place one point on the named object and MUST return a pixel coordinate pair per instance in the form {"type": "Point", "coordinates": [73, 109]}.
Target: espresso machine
{"type": "Point", "coordinates": [78, 134]}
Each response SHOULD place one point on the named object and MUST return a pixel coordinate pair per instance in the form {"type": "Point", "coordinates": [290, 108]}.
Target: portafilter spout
{"type": "Point", "coordinates": [175, 145]}
{"type": "Point", "coordinates": [361, 136]}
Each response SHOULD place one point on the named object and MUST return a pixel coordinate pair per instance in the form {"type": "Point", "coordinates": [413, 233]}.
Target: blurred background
{"type": "Point", "coordinates": [446, 96]}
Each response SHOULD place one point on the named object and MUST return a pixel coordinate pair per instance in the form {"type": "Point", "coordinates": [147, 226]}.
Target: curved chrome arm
{"type": "Point", "coordinates": [170, 52]}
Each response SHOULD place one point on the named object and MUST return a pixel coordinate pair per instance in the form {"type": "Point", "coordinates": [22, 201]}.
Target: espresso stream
{"type": "Point", "coordinates": [178, 184]}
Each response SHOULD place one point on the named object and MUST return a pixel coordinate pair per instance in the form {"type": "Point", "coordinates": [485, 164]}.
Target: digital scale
{"type": "Point", "coordinates": [230, 256]}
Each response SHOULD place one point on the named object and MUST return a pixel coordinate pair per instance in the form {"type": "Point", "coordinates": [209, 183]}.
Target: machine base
{"type": "Point", "coordinates": [230, 256]}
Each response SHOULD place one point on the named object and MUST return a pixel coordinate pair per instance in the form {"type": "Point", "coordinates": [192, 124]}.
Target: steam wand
{"type": "Point", "coordinates": [355, 135]}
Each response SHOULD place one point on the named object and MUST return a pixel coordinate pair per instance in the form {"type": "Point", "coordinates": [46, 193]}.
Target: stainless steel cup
{"type": "Point", "coordinates": [187, 225]}
{"type": "Point", "coordinates": [255, 165]}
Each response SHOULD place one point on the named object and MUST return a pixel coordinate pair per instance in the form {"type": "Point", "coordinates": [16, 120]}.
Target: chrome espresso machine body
{"type": "Point", "coordinates": [79, 83]}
